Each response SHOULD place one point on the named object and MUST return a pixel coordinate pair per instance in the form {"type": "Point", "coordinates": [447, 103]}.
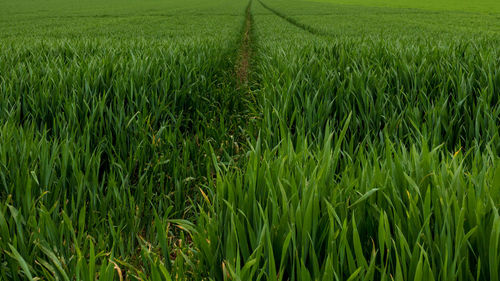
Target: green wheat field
{"type": "Point", "coordinates": [288, 140]}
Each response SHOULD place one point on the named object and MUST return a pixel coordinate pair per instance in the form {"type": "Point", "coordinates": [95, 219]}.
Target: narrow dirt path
{"type": "Point", "coordinates": [245, 52]}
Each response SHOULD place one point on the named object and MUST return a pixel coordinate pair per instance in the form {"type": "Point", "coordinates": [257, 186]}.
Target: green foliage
{"type": "Point", "coordinates": [409, 213]}
{"type": "Point", "coordinates": [365, 145]}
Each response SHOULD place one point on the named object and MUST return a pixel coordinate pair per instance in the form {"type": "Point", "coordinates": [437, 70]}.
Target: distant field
{"type": "Point", "coordinates": [249, 140]}
{"type": "Point", "coordinates": [130, 19]}
{"type": "Point", "coordinates": [484, 6]}
{"type": "Point", "coordinates": [365, 20]}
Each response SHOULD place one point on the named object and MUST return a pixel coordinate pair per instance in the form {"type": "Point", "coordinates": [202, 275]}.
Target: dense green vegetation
{"type": "Point", "coordinates": [235, 140]}
{"type": "Point", "coordinates": [482, 6]}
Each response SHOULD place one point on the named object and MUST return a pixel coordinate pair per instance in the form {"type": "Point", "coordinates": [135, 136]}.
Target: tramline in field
{"type": "Point", "coordinates": [261, 140]}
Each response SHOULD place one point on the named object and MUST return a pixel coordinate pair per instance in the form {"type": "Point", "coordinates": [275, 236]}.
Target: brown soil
{"type": "Point", "coordinates": [243, 65]}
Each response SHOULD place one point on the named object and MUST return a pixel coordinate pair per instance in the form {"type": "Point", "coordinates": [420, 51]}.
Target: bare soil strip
{"type": "Point", "coordinates": [245, 52]}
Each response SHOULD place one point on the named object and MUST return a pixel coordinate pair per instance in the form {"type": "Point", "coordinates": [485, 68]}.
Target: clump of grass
{"type": "Point", "coordinates": [408, 213]}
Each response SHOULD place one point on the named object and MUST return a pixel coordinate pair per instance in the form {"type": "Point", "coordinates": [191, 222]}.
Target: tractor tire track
{"type": "Point", "coordinates": [298, 24]}
{"type": "Point", "coordinates": [245, 51]}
